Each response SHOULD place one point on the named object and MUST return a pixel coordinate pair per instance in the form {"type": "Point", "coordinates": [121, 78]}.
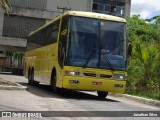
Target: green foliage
{"type": "Point", "coordinates": [15, 55]}
{"type": "Point", "coordinates": [144, 65]}
{"type": "Point", "coordinates": [156, 19]}
{"type": "Point", "coordinates": [18, 55]}
{"type": "Point", "coordinates": [142, 30]}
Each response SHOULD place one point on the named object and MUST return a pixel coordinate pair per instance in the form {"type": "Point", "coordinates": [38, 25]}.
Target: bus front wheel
{"type": "Point", "coordinates": [101, 94]}
{"type": "Point", "coordinates": [55, 89]}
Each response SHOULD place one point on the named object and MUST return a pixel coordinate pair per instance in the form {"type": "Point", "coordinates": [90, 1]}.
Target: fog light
{"type": "Point", "coordinates": [119, 77]}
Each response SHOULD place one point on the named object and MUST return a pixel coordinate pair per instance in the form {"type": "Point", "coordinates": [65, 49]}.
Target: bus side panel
{"type": "Point", "coordinates": [50, 62]}
{"type": "Point", "coordinates": [43, 60]}
{"type": "Point", "coordinates": [28, 63]}
{"type": "Point", "coordinates": [40, 55]}
{"type": "Point", "coordinates": [53, 64]}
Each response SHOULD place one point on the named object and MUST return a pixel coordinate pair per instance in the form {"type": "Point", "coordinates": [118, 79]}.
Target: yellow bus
{"type": "Point", "coordinates": [79, 51]}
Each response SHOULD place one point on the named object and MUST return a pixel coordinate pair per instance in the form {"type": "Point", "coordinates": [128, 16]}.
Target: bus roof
{"type": "Point", "coordinates": [95, 15]}
{"type": "Point", "coordinates": [82, 14]}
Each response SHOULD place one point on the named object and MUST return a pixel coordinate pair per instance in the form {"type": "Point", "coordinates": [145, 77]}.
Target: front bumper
{"type": "Point", "coordinates": [94, 84]}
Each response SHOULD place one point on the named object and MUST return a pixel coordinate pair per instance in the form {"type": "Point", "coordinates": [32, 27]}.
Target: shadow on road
{"type": "Point", "coordinates": [46, 91]}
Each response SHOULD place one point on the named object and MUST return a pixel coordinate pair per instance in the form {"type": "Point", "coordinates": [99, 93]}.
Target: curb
{"type": "Point", "coordinates": [6, 73]}
{"type": "Point", "coordinates": [18, 87]}
{"type": "Point", "coordinates": [139, 99]}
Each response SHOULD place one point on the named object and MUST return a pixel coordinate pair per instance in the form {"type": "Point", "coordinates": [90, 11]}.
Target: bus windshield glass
{"type": "Point", "coordinates": [92, 40]}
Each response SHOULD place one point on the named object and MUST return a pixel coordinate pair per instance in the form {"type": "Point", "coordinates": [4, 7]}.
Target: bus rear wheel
{"type": "Point", "coordinates": [101, 94]}
{"type": "Point", "coordinates": [31, 77]}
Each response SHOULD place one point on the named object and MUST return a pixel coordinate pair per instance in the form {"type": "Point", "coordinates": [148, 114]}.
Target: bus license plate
{"type": "Point", "coordinates": [118, 85]}
{"type": "Point", "coordinates": [97, 83]}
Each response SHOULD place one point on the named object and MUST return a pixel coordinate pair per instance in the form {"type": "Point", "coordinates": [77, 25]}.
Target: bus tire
{"type": "Point", "coordinates": [101, 94]}
{"type": "Point", "coordinates": [32, 77]}
{"type": "Point", "coordinates": [29, 76]}
{"type": "Point", "coordinates": [55, 89]}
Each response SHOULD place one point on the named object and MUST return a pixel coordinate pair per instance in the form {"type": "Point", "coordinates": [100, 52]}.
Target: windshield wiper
{"type": "Point", "coordinates": [89, 57]}
{"type": "Point", "coordinates": [110, 64]}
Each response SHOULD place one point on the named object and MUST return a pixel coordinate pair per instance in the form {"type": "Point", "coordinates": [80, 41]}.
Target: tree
{"type": "Point", "coordinates": [9, 55]}
{"type": "Point", "coordinates": [144, 65]}
{"type": "Point", "coordinates": [5, 5]}
{"type": "Point", "coordinates": [18, 57]}
{"type": "Point", "coordinates": [155, 19]}
{"type": "Point", "coordinates": [142, 30]}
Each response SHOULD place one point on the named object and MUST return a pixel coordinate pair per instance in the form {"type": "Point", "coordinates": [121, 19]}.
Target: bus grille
{"type": "Point", "coordinates": [105, 76]}
{"type": "Point", "coordinates": [94, 75]}
{"type": "Point", "coordinates": [90, 74]}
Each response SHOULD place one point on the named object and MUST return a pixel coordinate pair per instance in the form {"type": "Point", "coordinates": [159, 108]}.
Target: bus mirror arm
{"type": "Point", "coordinates": [69, 35]}
{"type": "Point", "coordinates": [130, 49]}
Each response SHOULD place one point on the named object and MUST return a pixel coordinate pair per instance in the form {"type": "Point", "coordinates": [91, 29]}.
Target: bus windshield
{"type": "Point", "coordinates": [92, 40]}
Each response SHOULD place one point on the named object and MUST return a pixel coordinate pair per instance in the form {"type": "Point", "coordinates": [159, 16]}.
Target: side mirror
{"type": "Point", "coordinates": [130, 49]}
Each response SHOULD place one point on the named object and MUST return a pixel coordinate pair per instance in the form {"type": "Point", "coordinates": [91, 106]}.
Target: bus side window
{"type": "Point", "coordinates": [62, 41]}
{"type": "Point", "coordinates": [51, 34]}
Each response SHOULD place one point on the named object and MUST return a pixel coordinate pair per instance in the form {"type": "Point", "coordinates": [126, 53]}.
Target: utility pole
{"type": "Point", "coordinates": [63, 8]}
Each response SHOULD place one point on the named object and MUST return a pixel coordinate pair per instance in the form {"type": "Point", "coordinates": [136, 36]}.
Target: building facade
{"type": "Point", "coordinates": [120, 8]}
{"type": "Point", "coordinates": [28, 15]}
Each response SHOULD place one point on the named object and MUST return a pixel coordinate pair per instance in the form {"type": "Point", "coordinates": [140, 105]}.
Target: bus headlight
{"type": "Point", "coordinates": [119, 77]}
{"type": "Point", "coordinates": [72, 73]}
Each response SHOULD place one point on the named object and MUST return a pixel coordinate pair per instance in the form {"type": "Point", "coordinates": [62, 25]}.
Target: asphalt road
{"type": "Point", "coordinates": [41, 98]}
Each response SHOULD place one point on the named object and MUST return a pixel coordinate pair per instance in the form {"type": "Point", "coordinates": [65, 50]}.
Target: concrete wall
{"type": "Point", "coordinates": [1, 21]}
{"type": "Point", "coordinates": [29, 4]}
{"type": "Point", "coordinates": [34, 13]}
{"type": "Point", "coordinates": [20, 26]}
{"type": "Point", "coordinates": [127, 8]}
{"type": "Point", "coordinates": [12, 44]}
{"type": "Point", "coordinates": [2, 61]}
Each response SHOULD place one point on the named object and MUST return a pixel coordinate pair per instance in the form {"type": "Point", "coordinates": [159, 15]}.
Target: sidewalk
{"type": "Point", "coordinates": [138, 99]}
{"type": "Point", "coordinates": [6, 84]}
